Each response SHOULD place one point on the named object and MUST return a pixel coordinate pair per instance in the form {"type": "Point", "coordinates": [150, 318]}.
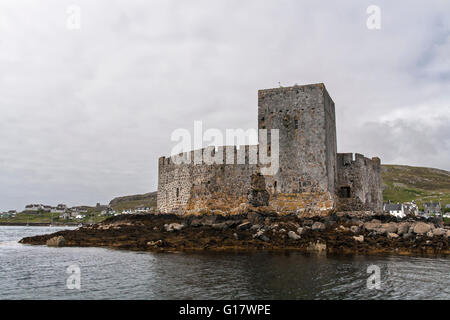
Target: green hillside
{"type": "Point", "coordinates": [405, 183]}
{"type": "Point", "coordinates": [134, 201]}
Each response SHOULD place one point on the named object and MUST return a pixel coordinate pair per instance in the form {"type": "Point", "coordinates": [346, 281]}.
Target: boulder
{"type": "Point", "coordinates": [421, 228]}
{"type": "Point", "coordinates": [292, 235]}
{"type": "Point", "coordinates": [308, 222]}
{"type": "Point", "coordinates": [430, 234]}
{"type": "Point", "coordinates": [390, 227]}
{"type": "Point", "coordinates": [439, 232]}
{"type": "Point", "coordinates": [359, 239]}
{"type": "Point", "coordinates": [381, 231]}
{"type": "Point", "coordinates": [258, 234]}
{"type": "Point", "coordinates": [371, 226]}
{"type": "Point", "coordinates": [235, 235]}
{"type": "Point", "coordinates": [204, 221]}
{"type": "Point", "coordinates": [244, 226]}
{"type": "Point", "coordinates": [273, 226]}
{"type": "Point", "coordinates": [318, 226]}
{"type": "Point", "coordinates": [403, 228]}
{"type": "Point", "coordinates": [56, 242]}
{"type": "Point", "coordinates": [301, 230]}
{"type": "Point", "coordinates": [158, 243]}
{"type": "Point", "coordinates": [392, 235]}
{"type": "Point", "coordinates": [354, 229]}
{"type": "Point", "coordinates": [173, 227]}
{"type": "Point", "coordinates": [224, 225]}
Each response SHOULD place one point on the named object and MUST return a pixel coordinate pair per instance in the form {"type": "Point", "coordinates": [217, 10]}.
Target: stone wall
{"type": "Point", "coordinates": [195, 188]}
{"type": "Point", "coordinates": [359, 183]}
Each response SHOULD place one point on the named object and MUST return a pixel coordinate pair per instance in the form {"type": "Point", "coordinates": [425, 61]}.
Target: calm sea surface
{"type": "Point", "coordinates": [38, 272]}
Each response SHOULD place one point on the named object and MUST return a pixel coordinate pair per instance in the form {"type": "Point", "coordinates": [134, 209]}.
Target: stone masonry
{"type": "Point", "coordinates": [313, 179]}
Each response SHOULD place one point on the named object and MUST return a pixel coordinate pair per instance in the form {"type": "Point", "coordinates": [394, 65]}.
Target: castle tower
{"type": "Point", "coordinates": [305, 117]}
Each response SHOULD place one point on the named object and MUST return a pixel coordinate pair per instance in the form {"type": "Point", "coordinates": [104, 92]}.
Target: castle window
{"type": "Point", "coordinates": [296, 123]}
{"type": "Point", "coordinates": [178, 192]}
{"type": "Point", "coordinates": [275, 186]}
{"type": "Point", "coordinates": [344, 192]}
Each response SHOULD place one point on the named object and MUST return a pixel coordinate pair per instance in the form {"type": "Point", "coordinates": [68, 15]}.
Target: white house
{"type": "Point", "coordinates": [60, 208]}
{"type": "Point", "coordinates": [33, 208]}
{"type": "Point", "coordinates": [410, 208]}
{"type": "Point", "coordinates": [395, 209]}
{"type": "Point", "coordinates": [65, 215]}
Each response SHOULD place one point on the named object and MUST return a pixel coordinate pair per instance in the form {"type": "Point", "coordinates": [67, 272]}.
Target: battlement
{"type": "Point", "coordinates": [228, 155]}
{"type": "Point", "coordinates": [346, 159]}
{"type": "Point", "coordinates": [320, 86]}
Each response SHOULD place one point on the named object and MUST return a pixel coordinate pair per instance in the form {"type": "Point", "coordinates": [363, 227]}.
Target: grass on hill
{"type": "Point", "coordinates": [132, 202]}
{"type": "Point", "coordinates": [405, 183]}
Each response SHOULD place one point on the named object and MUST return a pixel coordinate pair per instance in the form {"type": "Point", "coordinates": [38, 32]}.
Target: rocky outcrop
{"type": "Point", "coordinates": [292, 235]}
{"type": "Point", "coordinates": [174, 227]}
{"type": "Point", "coordinates": [58, 241]}
{"type": "Point", "coordinates": [421, 228]}
{"type": "Point", "coordinates": [318, 226]}
{"type": "Point", "coordinates": [259, 230]}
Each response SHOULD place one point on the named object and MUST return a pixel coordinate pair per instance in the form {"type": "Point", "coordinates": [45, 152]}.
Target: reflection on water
{"type": "Point", "coordinates": [30, 272]}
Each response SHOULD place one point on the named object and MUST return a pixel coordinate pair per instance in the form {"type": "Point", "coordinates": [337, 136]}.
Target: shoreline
{"type": "Point", "coordinates": [35, 224]}
{"type": "Point", "coordinates": [340, 233]}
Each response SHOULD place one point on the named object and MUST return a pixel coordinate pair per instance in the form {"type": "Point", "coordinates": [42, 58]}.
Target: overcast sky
{"type": "Point", "coordinates": [85, 113]}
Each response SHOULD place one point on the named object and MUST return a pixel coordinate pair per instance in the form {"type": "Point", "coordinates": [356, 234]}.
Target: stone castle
{"type": "Point", "coordinates": [313, 179]}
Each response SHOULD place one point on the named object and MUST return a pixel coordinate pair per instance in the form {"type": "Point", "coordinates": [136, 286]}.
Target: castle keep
{"type": "Point", "coordinates": [313, 179]}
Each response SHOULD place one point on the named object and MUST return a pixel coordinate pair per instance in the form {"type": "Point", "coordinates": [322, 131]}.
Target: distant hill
{"type": "Point", "coordinates": [400, 184]}
{"type": "Point", "coordinates": [134, 201]}
{"type": "Point", "coordinates": [405, 183]}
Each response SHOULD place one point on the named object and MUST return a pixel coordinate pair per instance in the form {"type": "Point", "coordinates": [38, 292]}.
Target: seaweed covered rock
{"type": "Point", "coordinates": [58, 241]}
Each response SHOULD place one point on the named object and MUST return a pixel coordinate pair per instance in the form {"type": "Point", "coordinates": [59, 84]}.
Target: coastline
{"type": "Point", "coordinates": [36, 224]}
{"type": "Point", "coordinates": [340, 233]}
